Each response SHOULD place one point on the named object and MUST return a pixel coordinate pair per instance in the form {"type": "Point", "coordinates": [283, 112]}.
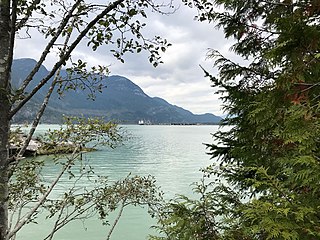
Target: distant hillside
{"type": "Point", "coordinates": [122, 101]}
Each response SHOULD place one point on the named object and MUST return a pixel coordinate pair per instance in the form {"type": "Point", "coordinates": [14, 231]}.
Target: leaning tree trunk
{"type": "Point", "coordinates": [4, 113]}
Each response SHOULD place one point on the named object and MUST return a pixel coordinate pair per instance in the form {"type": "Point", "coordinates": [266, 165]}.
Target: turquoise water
{"type": "Point", "coordinates": [173, 154]}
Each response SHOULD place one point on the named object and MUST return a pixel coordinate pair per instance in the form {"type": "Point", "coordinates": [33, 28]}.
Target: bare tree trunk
{"type": "Point", "coordinates": [4, 113]}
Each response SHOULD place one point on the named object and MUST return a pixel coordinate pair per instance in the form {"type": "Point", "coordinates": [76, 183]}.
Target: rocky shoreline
{"type": "Point", "coordinates": [37, 147]}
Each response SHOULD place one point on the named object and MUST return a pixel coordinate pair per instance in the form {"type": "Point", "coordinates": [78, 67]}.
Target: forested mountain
{"type": "Point", "coordinates": [121, 101]}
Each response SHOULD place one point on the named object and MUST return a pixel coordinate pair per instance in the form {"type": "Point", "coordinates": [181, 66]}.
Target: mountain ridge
{"type": "Point", "coordinates": [122, 101]}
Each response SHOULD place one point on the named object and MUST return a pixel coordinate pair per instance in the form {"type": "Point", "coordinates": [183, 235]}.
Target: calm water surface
{"type": "Point", "coordinates": [173, 154]}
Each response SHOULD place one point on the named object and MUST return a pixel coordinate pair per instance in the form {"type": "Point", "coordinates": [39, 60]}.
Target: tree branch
{"type": "Point", "coordinates": [23, 21]}
{"type": "Point", "coordinates": [64, 58]}
{"type": "Point", "coordinates": [58, 225]}
{"type": "Point", "coordinates": [117, 219]}
{"type": "Point", "coordinates": [46, 51]}
{"type": "Point", "coordinates": [45, 102]}
{"type": "Point", "coordinates": [25, 219]}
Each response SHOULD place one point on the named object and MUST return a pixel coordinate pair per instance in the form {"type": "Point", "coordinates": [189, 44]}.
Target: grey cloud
{"type": "Point", "coordinates": [179, 80]}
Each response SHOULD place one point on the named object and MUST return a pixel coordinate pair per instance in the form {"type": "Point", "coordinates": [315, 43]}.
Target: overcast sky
{"type": "Point", "coordinates": [179, 80]}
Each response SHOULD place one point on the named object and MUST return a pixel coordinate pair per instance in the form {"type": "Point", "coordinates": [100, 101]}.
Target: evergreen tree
{"type": "Point", "coordinates": [264, 182]}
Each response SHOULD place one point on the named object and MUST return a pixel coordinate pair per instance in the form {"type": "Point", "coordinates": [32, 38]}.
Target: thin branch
{"type": "Point", "coordinates": [17, 205]}
{"type": "Point", "coordinates": [45, 102]}
{"type": "Point", "coordinates": [308, 85]}
{"type": "Point", "coordinates": [50, 236]}
{"type": "Point", "coordinates": [26, 218]}
{"type": "Point", "coordinates": [117, 219]}
{"type": "Point", "coordinates": [46, 51]}
{"type": "Point", "coordinates": [28, 14]}
{"type": "Point", "coordinates": [65, 57]}
{"type": "Point", "coordinates": [65, 221]}
{"type": "Point", "coordinates": [20, 209]}
{"type": "Point", "coordinates": [37, 119]}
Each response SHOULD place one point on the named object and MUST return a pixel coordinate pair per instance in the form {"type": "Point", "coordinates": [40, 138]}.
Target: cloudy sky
{"type": "Point", "coordinates": [179, 80]}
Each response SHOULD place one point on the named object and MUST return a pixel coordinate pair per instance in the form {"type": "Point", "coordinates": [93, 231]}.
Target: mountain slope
{"type": "Point", "coordinates": [122, 101]}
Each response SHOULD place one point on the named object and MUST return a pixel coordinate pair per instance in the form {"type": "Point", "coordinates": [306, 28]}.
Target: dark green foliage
{"type": "Point", "coordinates": [268, 151]}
